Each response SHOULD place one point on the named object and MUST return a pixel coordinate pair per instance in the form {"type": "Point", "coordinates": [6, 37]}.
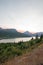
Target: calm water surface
{"type": "Point", "coordinates": [15, 40]}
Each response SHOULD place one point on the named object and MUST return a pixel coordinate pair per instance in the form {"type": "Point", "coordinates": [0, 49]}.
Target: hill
{"type": "Point", "coordinates": [34, 34]}
{"type": "Point", "coordinates": [28, 33]}
{"type": "Point", "coordinates": [23, 53]}
{"type": "Point", "coordinates": [38, 33]}
{"type": "Point", "coordinates": [11, 33]}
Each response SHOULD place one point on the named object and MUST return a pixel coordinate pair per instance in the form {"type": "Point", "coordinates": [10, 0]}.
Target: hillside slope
{"type": "Point", "coordinates": [35, 57]}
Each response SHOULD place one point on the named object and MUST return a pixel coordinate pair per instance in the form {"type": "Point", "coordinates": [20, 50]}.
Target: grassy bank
{"type": "Point", "coordinates": [10, 50]}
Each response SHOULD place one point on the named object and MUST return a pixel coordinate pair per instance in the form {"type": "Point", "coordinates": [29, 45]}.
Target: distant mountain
{"type": "Point", "coordinates": [28, 33]}
{"type": "Point", "coordinates": [0, 28]}
{"type": "Point", "coordinates": [11, 33]}
{"type": "Point", "coordinates": [38, 33]}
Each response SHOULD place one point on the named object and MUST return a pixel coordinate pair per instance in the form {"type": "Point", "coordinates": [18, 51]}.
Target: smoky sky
{"type": "Point", "coordinates": [22, 14]}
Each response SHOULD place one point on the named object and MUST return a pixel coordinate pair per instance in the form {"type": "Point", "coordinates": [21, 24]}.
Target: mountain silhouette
{"type": "Point", "coordinates": [11, 33]}
{"type": "Point", "coordinates": [28, 33]}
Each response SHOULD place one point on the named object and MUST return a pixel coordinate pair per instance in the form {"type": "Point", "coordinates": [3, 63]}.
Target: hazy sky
{"type": "Point", "coordinates": [22, 14]}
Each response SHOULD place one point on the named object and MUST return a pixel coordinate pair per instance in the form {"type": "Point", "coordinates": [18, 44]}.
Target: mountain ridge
{"type": "Point", "coordinates": [12, 33]}
{"type": "Point", "coordinates": [33, 34]}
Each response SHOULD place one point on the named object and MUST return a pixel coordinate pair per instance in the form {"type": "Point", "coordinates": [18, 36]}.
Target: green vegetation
{"type": "Point", "coordinates": [10, 50]}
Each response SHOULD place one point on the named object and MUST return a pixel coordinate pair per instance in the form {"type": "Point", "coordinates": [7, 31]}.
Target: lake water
{"type": "Point", "coordinates": [15, 40]}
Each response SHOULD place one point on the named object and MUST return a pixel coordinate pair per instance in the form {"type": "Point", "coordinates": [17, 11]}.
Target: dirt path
{"type": "Point", "coordinates": [33, 58]}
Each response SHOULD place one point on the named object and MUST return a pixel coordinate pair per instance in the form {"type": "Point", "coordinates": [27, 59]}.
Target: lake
{"type": "Point", "coordinates": [15, 40]}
